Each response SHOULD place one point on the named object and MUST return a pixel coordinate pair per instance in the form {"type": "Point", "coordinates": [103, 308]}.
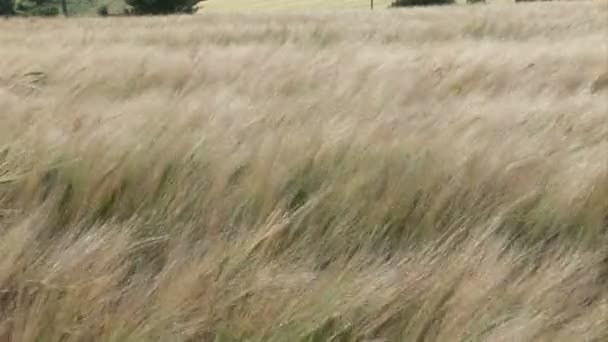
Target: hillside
{"type": "Point", "coordinates": [290, 5]}
{"type": "Point", "coordinates": [245, 6]}
{"type": "Point", "coordinates": [430, 174]}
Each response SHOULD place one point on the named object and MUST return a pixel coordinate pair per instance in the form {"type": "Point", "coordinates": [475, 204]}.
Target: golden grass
{"type": "Point", "coordinates": [434, 174]}
{"type": "Point", "coordinates": [248, 6]}
{"type": "Point", "coordinates": [290, 5]}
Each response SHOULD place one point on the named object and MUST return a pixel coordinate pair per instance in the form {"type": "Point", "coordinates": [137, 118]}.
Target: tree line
{"type": "Point", "coordinates": [155, 7]}
{"type": "Point", "coordinates": [132, 7]}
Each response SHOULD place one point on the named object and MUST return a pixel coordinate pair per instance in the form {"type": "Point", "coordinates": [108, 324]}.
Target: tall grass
{"type": "Point", "coordinates": [423, 175]}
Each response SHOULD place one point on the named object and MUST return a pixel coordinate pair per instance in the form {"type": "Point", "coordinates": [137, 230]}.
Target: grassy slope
{"type": "Point", "coordinates": [433, 174]}
{"type": "Point", "coordinates": [299, 5]}
{"type": "Point", "coordinates": [89, 7]}
{"type": "Point", "coordinates": [291, 5]}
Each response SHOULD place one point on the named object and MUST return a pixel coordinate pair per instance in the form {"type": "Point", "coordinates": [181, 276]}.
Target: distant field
{"type": "Point", "coordinates": [291, 5]}
{"type": "Point", "coordinates": [300, 5]}
{"type": "Point", "coordinates": [429, 174]}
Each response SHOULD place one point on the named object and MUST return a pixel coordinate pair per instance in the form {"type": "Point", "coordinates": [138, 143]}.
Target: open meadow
{"type": "Point", "coordinates": [428, 174]}
{"type": "Point", "coordinates": [289, 5]}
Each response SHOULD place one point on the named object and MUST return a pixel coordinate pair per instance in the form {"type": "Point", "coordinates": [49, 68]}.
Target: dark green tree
{"type": "Point", "coordinates": [143, 7]}
{"type": "Point", "coordinates": [7, 7]}
{"type": "Point", "coordinates": [64, 7]}
{"type": "Point", "coordinates": [412, 3]}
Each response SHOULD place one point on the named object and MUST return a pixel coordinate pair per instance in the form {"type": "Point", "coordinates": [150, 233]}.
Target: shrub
{"type": "Point", "coordinates": [412, 3]}
{"type": "Point", "coordinates": [102, 11]}
{"type": "Point", "coordinates": [6, 7]}
{"type": "Point", "coordinates": [20, 6]}
{"type": "Point", "coordinates": [34, 8]}
{"type": "Point", "coordinates": [142, 7]}
{"type": "Point", "coordinates": [44, 11]}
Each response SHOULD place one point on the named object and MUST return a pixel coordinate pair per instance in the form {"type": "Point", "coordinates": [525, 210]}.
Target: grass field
{"type": "Point", "coordinates": [301, 5]}
{"type": "Point", "coordinates": [290, 5]}
{"type": "Point", "coordinates": [433, 174]}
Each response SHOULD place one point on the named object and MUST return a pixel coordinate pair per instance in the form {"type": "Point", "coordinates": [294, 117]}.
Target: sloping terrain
{"type": "Point", "coordinates": [289, 5]}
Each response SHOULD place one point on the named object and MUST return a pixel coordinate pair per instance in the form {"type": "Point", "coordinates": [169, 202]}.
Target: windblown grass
{"type": "Point", "coordinates": [290, 5]}
{"type": "Point", "coordinates": [423, 175]}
